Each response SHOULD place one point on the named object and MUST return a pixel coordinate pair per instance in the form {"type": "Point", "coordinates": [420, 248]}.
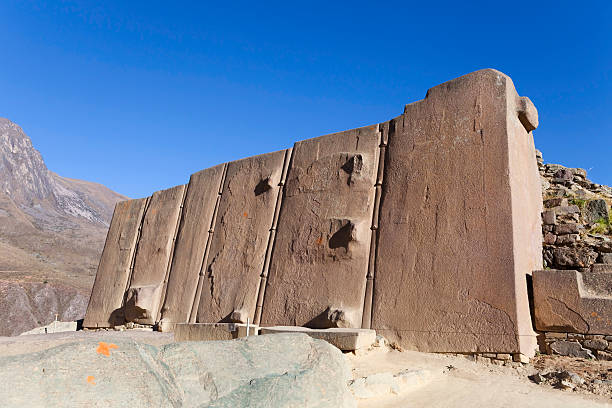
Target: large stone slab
{"type": "Point", "coordinates": [258, 371]}
{"type": "Point", "coordinates": [200, 200]}
{"type": "Point", "coordinates": [148, 282]}
{"type": "Point", "coordinates": [236, 258]}
{"type": "Point", "coordinates": [318, 270]}
{"type": "Point", "coordinates": [106, 301]}
{"type": "Point", "coordinates": [459, 226]}
{"type": "Point", "coordinates": [346, 339]}
{"type": "Point", "coordinates": [213, 331]}
{"type": "Point", "coordinates": [564, 303]}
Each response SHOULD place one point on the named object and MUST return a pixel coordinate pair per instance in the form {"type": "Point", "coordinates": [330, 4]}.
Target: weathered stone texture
{"type": "Point", "coordinates": [598, 283]}
{"type": "Point", "coordinates": [106, 301]}
{"type": "Point", "coordinates": [570, 348]}
{"type": "Point", "coordinates": [596, 210]}
{"type": "Point", "coordinates": [153, 256]}
{"type": "Point", "coordinates": [447, 277]}
{"type": "Point", "coordinates": [200, 200]}
{"type": "Point", "coordinates": [563, 303]}
{"type": "Point", "coordinates": [234, 264]}
{"type": "Point", "coordinates": [322, 243]}
{"type": "Point", "coordinates": [430, 223]}
{"type": "Point", "coordinates": [577, 228]}
{"type": "Point", "coordinates": [346, 339]}
{"type": "Point", "coordinates": [212, 331]}
{"type": "Point", "coordinates": [574, 257]}
{"type": "Point", "coordinates": [285, 370]}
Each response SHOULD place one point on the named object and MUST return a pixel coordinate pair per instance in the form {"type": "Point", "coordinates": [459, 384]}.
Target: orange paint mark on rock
{"type": "Point", "coordinates": [91, 380]}
{"type": "Point", "coordinates": [319, 240]}
{"type": "Point", "coordinates": [105, 348]}
{"type": "Point", "coordinates": [245, 215]}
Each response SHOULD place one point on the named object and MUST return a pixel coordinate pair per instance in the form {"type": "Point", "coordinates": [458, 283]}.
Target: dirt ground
{"type": "Point", "coordinates": [456, 381]}
{"type": "Point", "coordinates": [597, 375]}
{"type": "Point", "coordinates": [453, 381]}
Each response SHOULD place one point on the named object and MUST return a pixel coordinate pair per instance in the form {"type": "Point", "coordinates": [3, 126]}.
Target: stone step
{"type": "Point", "coordinates": [601, 268]}
{"type": "Point", "coordinates": [346, 339]}
{"type": "Point", "coordinates": [212, 331]}
{"type": "Point", "coordinates": [599, 283]}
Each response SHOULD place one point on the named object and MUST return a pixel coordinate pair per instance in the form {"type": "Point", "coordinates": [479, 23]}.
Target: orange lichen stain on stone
{"type": "Point", "coordinates": [245, 215]}
{"type": "Point", "coordinates": [319, 240]}
{"type": "Point", "coordinates": [593, 314]}
{"type": "Point", "coordinates": [91, 380]}
{"type": "Point", "coordinates": [104, 348]}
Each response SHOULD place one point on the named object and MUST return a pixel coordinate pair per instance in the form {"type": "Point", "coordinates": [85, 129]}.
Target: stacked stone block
{"type": "Point", "coordinates": [597, 346]}
{"type": "Point", "coordinates": [499, 359]}
{"type": "Point", "coordinates": [573, 296]}
{"type": "Point", "coordinates": [576, 218]}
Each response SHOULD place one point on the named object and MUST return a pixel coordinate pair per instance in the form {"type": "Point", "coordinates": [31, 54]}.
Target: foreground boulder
{"type": "Point", "coordinates": [283, 370]}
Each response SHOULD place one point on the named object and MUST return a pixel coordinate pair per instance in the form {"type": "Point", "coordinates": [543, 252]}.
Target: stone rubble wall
{"type": "Point", "coordinates": [577, 230]}
{"type": "Point", "coordinates": [573, 295]}
{"type": "Point", "coordinates": [499, 359]}
{"type": "Point", "coordinates": [423, 228]}
{"type": "Point", "coordinates": [597, 346]}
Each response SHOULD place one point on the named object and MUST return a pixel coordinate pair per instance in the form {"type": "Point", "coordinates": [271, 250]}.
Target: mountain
{"type": "Point", "coordinates": [52, 232]}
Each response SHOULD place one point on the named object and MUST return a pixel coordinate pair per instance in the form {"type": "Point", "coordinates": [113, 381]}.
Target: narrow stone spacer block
{"type": "Point", "coordinates": [212, 331]}
{"type": "Point", "coordinates": [520, 358]}
{"type": "Point", "coordinates": [346, 339]}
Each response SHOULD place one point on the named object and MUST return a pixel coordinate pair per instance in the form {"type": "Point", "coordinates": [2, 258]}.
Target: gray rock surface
{"type": "Point", "coordinates": [596, 210]}
{"type": "Point", "coordinates": [286, 370]}
{"type": "Point", "coordinates": [571, 348]}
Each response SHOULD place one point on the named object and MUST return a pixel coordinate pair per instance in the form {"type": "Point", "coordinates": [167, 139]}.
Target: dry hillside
{"type": "Point", "coordinates": [52, 231]}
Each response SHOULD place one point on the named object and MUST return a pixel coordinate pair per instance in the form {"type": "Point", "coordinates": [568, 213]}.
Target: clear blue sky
{"type": "Point", "coordinates": [138, 95]}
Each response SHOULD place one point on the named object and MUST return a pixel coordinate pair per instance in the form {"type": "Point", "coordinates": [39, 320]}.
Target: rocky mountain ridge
{"type": "Point", "coordinates": [52, 230]}
{"type": "Point", "coordinates": [39, 192]}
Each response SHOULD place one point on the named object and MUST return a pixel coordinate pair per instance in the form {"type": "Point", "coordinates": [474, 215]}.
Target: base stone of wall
{"type": "Point", "coordinates": [212, 331]}
{"type": "Point", "coordinates": [346, 339]}
{"type": "Point", "coordinates": [500, 359]}
{"type": "Point", "coordinates": [597, 346]}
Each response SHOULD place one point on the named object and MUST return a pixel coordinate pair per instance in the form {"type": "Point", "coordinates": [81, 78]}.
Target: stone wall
{"type": "Point", "coordinates": [578, 345]}
{"type": "Point", "coordinates": [425, 228]}
{"type": "Point", "coordinates": [573, 295]}
{"type": "Point", "coordinates": [576, 220]}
